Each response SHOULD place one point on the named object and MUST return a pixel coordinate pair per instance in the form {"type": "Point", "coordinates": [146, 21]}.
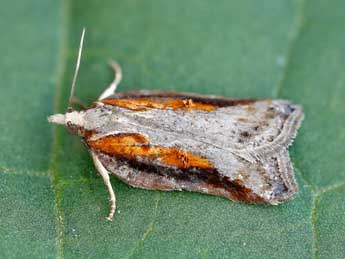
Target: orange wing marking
{"type": "Point", "coordinates": [143, 104]}
{"type": "Point", "coordinates": [133, 145]}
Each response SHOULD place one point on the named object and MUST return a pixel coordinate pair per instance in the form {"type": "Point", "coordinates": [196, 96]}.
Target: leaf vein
{"type": "Point", "coordinates": [294, 39]}
{"type": "Point", "coordinates": [313, 223]}
{"type": "Point", "coordinates": [149, 229]}
{"type": "Point", "coordinates": [60, 73]}
{"type": "Point", "coordinates": [13, 171]}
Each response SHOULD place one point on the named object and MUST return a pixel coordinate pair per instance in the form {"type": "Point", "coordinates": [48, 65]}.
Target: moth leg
{"type": "Point", "coordinates": [105, 174]}
{"type": "Point", "coordinates": [117, 79]}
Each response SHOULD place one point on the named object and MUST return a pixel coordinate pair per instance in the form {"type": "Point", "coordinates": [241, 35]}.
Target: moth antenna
{"type": "Point", "coordinates": [69, 108]}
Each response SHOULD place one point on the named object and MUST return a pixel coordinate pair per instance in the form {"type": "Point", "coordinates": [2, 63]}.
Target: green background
{"type": "Point", "coordinates": [52, 204]}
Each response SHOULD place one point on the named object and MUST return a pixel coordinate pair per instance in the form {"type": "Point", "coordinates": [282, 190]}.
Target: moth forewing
{"type": "Point", "coordinates": [174, 148]}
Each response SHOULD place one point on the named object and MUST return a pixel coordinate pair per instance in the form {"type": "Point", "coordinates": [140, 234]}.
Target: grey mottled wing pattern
{"type": "Point", "coordinates": [246, 140]}
{"type": "Point", "coordinates": [253, 126]}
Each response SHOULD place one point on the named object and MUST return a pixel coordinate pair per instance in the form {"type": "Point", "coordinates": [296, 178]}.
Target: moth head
{"type": "Point", "coordinates": [73, 121]}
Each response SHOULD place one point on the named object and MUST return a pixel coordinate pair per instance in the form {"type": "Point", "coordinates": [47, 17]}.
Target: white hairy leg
{"type": "Point", "coordinates": [118, 76]}
{"type": "Point", "coordinates": [105, 175]}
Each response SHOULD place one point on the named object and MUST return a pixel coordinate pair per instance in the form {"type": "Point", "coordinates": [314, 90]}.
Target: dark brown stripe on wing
{"type": "Point", "coordinates": [192, 179]}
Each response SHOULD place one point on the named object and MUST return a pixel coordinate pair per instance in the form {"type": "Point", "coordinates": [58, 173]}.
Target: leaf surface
{"type": "Point", "coordinates": [52, 202]}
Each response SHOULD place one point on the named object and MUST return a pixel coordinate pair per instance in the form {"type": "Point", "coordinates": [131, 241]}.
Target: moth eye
{"type": "Point", "coordinates": [69, 123]}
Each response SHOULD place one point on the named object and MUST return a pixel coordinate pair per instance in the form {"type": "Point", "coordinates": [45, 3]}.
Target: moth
{"type": "Point", "coordinates": [157, 140]}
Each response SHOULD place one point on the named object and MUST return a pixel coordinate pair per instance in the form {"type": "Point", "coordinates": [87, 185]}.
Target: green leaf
{"type": "Point", "coordinates": [52, 202]}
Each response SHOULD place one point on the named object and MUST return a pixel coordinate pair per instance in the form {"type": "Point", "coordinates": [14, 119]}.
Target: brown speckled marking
{"type": "Point", "coordinates": [136, 145]}
{"type": "Point", "coordinates": [243, 120]}
{"type": "Point", "coordinates": [233, 190]}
